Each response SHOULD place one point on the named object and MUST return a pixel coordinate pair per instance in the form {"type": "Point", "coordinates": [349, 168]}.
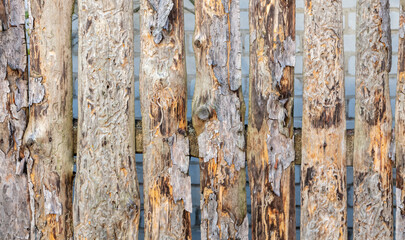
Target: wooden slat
{"type": "Point", "coordinates": [400, 129]}
{"type": "Point", "coordinates": [217, 114]}
{"type": "Point", "coordinates": [107, 198]}
{"type": "Point", "coordinates": [323, 169]}
{"type": "Point", "coordinates": [49, 135]}
{"type": "Point", "coordinates": [270, 142]}
{"type": "Point", "coordinates": [193, 143]}
{"type": "Point", "coordinates": [163, 93]}
{"type": "Point", "coordinates": [372, 167]}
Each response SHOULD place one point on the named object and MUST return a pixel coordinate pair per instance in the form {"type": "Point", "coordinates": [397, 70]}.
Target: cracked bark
{"type": "Point", "coordinates": [14, 198]}
{"type": "Point", "coordinates": [217, 115]}
{"type": "Point", "coordinates": [107, 203]}
{"type": "Point", "coordinates": [163, 86]}
{"type": "Point", "coordinates": [270, 142]}
{"type": "Point", "coordinates": [48, 136]}
{"type": "Point", "coordinates": [323, 175]}
{"type": "Point", "coordinates": [400, 129]}
{"type": "Point", "coordinates": [373, 210]}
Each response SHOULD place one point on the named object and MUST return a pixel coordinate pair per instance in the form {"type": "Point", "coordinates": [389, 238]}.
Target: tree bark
{"type": "Point", "coordinates": [106, 204]}
{"type": "Point", "coordinates": [163, 87]}
{"type": "Point", "coordinates": [14, 197]}
{"type": "Point", "coordinates": [270, 142]}
{"type": "Point", "coordinates": [400, 129]}
{"type": "Point", "coordinates": [49, 136]}
{"type": "Point", "coordinates": [218, 110]}
{"type": "Point", "coordinates": [373, 211]}
{"type": "Point", "coordinates": [323, 177]}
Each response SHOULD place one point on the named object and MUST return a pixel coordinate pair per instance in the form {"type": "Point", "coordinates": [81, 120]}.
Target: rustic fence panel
{"type": "Point", "coordinates": [217, 113]}
{"type": "Point", "coordinates": [323, 175]}
{"type": "Point", "coordinates": [270, 142]}
{"type": "Point", "coordinates": [400, 129]}
{"type": "Point", "coordinates": [373, 206]}
{"type": "Point", "coordinates": [36, 142]}
{"type": "Point", "coordinates": [163, 89]}
{"type": "Point", "coordinates": [106, 203]}
{"type": "Point", "coordinates": [14, 198]}
{"type": "Point", "coordinates": [49, 136]}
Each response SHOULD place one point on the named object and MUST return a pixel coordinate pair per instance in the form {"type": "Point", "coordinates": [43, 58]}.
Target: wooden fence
{"type": "Point", "coordinates": [37, 143]}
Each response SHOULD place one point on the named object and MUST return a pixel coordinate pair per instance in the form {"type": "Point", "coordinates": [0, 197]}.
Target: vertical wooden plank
{"type": "Point", "coordinates": [163, 88]}
{"type": "Point", "coordinates": [49, 131]}
{"type": "Point", "coordinates": [218, 110]}
{"type": "Point", "coordinates": [323, 177]}
{"type": "Point", "coordinates": [400, 129]}
{"type": "Point", "coordinates": [270, 142]}
{"type": "Point", "coordinates": [106, 203]}
{"type": "Point", "coordinates": [372, 210]}
{"type": "Point", "coordinates": [14, 198]}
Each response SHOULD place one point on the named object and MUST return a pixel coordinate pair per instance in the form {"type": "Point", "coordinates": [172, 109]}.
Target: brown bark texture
{"type": "Point", "coordinates": [48, 136]}
{"type": "Point", "coordinates": [400, 129]}
{"type": "Point", "coordinates": [270, 141]}
{"type": "Point", "coordinates": [372, 167]}
{"type": "Point", "coordinates": [107, 203]}
{"type": "Point", "coordinates": [163, 88]}
{"type": "Point", "coordinates": [323, 175]}
{"type": "Point", "coordinates": [217, 114]}
{"type": "Point", "coordinates": [14, 198]}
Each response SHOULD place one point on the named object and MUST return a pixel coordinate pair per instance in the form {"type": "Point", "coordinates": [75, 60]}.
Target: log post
{"type": "Point", "coordinates": [107, 203]}
{"type": "Point", "coordinates": [400, 129]}
{"type": "Point", "coordinates": [14, 198]}
{"type": "Point", "coordinates": [217, 115]}
{"type": "Point", "coordinates": [270, 141]}
{"type": "Point", "coordinates": [372, 167]}
{"type": "Point", "coordinates": [163, 88]}
{"type": "Point", "coordinates": [323, 175]}
{"type": "Point", "coordinates": [49, 136]}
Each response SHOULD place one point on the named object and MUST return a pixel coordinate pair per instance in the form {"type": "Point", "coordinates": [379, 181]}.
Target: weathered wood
{"type": "Point", "coordinates": [14, 198]}
{"type": "Point", "coordinates": [323, 175]}
{"type": "Point", "coordinates": [400, 129]}
{"type": "Point", "coordinates": [217, 114]}
{"type": "Point", "coordinates": [372, 167]}
{"type": "Point", "coordinates": [106, 204]}
{"type": "Point", "coordinates": [49, 136]}
{"type": "Point", "coordinates": [163, 88]}
{"type": "Point", "coordinates": [270, 142]}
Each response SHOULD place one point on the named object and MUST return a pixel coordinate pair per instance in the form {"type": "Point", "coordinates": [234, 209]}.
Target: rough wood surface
{"type": "Point", "coordinates": [163, 88]}
{"type": "Point", "coordinates": [270, 140]}
{"type": "Point", "coordinates": [217, 115]}
{"type": "Point", "coordinates": [14, 198]}
{"type": "Point", "coordinates": [400, 129]}
{"type": "Point", "coordinates": [106, 204]}
{"type": "Point", "coordinates": [49, 136]}
{"type": "Point", "coordinates": [323, 175]}
{"type": "Point", "coordinates": [372, 167]}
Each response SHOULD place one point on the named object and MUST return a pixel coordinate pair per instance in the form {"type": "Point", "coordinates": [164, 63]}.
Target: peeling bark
{"type": "Point", "coordinates": [323, 176]}
{"type": "Point", "coordinates": [48, 136]}
{"type": "Point", "coordinates": [218, 111]}
{"type": "Point", "coordinates": [400, 129]}
{"type": "Point", "coordinates": [373, 210]}
{"type": "Point", "coordinates": [14, 198]}
{"type": "Point", "coordinates": [270, 142]}
{"type": "Point", "coordinates": [107, 203]}
{"type": "Point", "coordinates": [163, 86]}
